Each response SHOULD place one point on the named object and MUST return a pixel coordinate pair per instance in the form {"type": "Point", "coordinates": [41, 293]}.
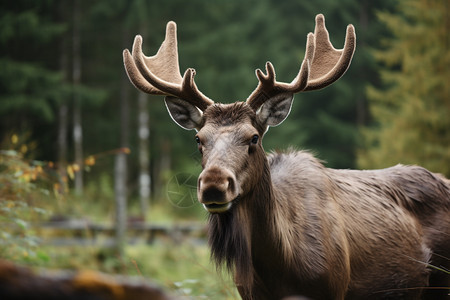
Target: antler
{"type": "Point", "coordinates": [160, 74]}
{"type": "Point", "coordinates": [322, 65]}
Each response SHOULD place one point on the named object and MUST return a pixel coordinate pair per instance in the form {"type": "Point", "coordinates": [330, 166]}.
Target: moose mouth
{"type": "Point", "coordinates": [217, 208]}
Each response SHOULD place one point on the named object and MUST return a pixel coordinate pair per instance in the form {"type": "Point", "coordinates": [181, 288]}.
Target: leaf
{"type": "Point", "coordinates": [5, 209]}
{"type": "Point", "coordinates": [42, 256]}
{"type": "Point", "coordinates": [5, 235]}
{"type": "Point", "coordinates": [89, 161]}
{"type": "Point", "coordinates": [22, 224]}
{"type": "Point", "coordinates": [40, 210]}
{"type": "Point", "coordinates": [70, 172]}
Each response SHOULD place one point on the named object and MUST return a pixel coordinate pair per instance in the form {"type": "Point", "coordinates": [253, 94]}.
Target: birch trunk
{"type": "Point", "coordinates": [121, 166]}
{"type": "Point", "coordinates": [76, 80]}
{"type": "Point", "coordinates": [63, 110]}
{"type": "Point", "coordinates": [144, 154]}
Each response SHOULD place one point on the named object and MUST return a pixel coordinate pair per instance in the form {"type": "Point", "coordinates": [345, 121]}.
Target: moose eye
{"type": "Point", "coordinates": [255, 139]}
{"type": "Point", "coordinates": [199, 144]}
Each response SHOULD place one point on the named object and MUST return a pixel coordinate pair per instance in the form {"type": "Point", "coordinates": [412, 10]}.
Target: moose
{"type": "Point", "coordinates": [285, 225]}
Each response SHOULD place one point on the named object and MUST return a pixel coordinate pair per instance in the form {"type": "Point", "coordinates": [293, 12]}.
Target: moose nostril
{"type": "Point", "coordinates": [213, 195]}
{"type": "Point", "coordinates": [231, 184]}
{"type": "Point", "coordinates": [216, 185]}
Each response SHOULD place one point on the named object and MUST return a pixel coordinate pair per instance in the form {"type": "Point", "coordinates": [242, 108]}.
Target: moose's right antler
{"type": "Point", "coordinates": [322, 65]}
{"type": "Point", "coordinates": [160, 74]}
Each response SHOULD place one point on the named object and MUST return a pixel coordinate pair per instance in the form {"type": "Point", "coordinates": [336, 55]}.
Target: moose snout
{"type": "Point", "coordinates": [217, 189]}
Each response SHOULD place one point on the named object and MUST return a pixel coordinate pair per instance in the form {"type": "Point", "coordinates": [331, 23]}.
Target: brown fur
{"type": "Point", "coordinates": [285, 224]}
{"type": "Point", "coordinates": [299, 228]}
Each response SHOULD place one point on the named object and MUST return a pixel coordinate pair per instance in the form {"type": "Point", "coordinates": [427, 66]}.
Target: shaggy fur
{"type": "Point", "coordinates": [302, 229]}
{"type": "Point", "coordinates": [285, 224]}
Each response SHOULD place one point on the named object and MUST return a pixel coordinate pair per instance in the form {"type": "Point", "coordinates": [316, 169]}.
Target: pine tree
{"type": "Point", "coordinates": [35, 79]}
{"type": "Point", "coordinates": [412, 108]}
{"type": "Point", "coordinates": [30, 85]}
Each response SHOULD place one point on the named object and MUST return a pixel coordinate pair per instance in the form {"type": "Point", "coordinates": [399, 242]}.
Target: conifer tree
{"type": "Point", "coordinates": [412, 108]}
{"type": "Point", "coordinates": [30, 85]}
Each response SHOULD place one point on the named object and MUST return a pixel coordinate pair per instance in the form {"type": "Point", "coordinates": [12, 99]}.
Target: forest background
{"type": "Point", "coordinates": [72, 124]}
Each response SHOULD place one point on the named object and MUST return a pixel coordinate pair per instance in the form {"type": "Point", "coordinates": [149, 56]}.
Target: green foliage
{"type": "Point", "coordinates": [18, 193]}
{"type": "Point", "coordinates": [411, 109]}
{"type": "Point", "coordinates": [33, 83]}
{"type": "Point", "coordinates": [28, 84]}
{"type": "Point", "coordinates": [17, 240]}
{"type": "Point", "coordinates": [28, 88]}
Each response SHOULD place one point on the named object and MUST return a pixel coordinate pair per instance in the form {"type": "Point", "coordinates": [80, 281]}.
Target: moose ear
{"type": "Point", "coordinates": [183, 113]}
{"type": "Point", "coordinates": [275, 110]}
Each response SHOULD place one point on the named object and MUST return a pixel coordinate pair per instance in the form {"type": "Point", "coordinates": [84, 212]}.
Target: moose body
{"type": "Point", "coordinates": [303, 229]}
{"type": "Point", "coordinates": [284, 224]}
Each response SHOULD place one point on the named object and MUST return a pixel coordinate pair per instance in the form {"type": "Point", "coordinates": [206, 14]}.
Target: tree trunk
{"type": "Point", "coordinates": [120, 175]}
{"type": "Point", "coordinates": [120, 170]}
{"type": "Point", "coordinates": [164, 166]}
{"type": "Point", "coordinates": [144, 154]}
{"type": "Point", "coordinates": [63, 110]}
{"type": "Point", "coordinates": [120, 189]}
{"type": "Point", "coordinates": [76, 79]}
{"type": "Point", "coordinates": [62, 146]}
{"type": "Point", "coordinates": [144, 135]}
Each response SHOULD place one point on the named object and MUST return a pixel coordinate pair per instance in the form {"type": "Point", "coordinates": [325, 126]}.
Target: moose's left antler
{"type": "Point", "coordinates": [160, 74]}
{"type": "Point", "coordinates": [322, 65]}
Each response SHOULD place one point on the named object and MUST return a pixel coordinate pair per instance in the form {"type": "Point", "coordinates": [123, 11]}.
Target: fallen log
{"type": "Point", "coordinates": [17, 282]}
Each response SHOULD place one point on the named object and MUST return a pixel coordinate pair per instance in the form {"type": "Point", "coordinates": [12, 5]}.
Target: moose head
{"type": "Point", "coordinates": [229, 135]}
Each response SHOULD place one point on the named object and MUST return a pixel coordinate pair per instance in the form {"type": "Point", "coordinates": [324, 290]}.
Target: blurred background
{"type": "Point", "coordinates": [84, 155]}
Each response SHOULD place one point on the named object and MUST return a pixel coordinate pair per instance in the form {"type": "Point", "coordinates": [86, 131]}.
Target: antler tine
{"type": "Point", "coordinates": [322, 66]}
{"type": "Point", "coordinates": [269, 87]}
{"type": "Point", "coordinates": [329, 64]}
{"type": "Point", "coordinates": [160, 74]}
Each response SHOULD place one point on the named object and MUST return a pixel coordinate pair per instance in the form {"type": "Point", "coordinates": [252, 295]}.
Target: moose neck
{"type": "Point", "coordinates": [239, 236]}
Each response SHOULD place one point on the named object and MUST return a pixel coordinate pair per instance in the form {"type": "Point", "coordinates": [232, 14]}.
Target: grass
{"type": "Point", "coordinates": [183, 270]}
{"type": "Point", "coordinates": [186, 270]}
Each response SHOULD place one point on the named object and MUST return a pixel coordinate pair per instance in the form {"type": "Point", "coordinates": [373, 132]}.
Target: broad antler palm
{"type": "Point", "coordinates": [322, 66]}
{"type": "Point", "coordinates": [160, 74]}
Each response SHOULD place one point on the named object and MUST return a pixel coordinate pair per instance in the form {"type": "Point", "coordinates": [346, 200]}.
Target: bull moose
{"type": "Point", "coordinates": [284, 224]}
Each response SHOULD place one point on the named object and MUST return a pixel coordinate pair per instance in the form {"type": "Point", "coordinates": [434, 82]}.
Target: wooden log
{"type": "Point", "coordinates": [18, 282]}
